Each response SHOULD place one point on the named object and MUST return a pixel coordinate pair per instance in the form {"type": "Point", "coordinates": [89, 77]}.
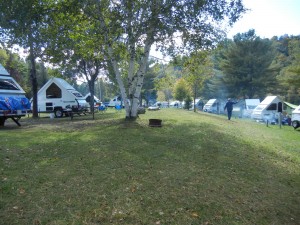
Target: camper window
{"type": "Point", "coordinates": [88, 99]}
{"type": "Point", "coordinates": [77, 94]}
{"type": "Point", "coordinates": [8, 85]}
{"type": "Point", "coordinates": [272, 106]}
{"type": "Point", "coordinates": [279, 106]}
{"type": "Point", "coordinates": [53, 91]}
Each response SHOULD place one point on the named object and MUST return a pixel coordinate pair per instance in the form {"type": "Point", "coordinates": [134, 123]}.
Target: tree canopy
{"type": "Point", "coordinates": [130, 28]}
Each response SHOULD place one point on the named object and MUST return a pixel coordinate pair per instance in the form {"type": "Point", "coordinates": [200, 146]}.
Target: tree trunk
{"type": "Point", "coordinates": [33, 79]}
{"type": "Point", "coordinates": [92, 91]}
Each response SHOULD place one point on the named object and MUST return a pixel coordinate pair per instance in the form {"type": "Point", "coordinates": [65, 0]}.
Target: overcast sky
{"type": "Point", "coordinates": [269, 18]}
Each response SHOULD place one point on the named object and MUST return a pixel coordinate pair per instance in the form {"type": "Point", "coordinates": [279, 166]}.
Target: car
{"type": "Point", "coordinates": [153, 108]}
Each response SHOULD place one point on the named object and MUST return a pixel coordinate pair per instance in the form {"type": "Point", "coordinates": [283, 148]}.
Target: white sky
{"type": "Point", "coordinates": [269, 18]}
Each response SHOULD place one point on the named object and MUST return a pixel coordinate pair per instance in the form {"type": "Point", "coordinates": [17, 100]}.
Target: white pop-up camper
{"type": "Point", "coordinates": [59, 97]}
{"type": "Point", "coordinates": [268, 109]}
{"type": "Point", "coordinates": [250, 105]}
{"type": "Point", "coordinates": [296, 118]}
{"type": "Point", "coordinates": [214, 106]}
{"type": "Point", "coordinates": [13, 103]}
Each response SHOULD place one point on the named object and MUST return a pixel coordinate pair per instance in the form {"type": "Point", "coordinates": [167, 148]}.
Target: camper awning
{"type": "Point", "coordinates": [291, 105]}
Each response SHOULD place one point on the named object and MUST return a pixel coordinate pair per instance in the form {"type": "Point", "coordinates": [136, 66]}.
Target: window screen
{"type": "Point", "coordinates": [8, 85]}
{"type": "Point", "coordinates": [53, 91]}
{"type": "Point", "coordinates": [273, 106]}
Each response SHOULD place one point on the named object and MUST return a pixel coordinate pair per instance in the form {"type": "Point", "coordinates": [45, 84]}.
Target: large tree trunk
{"type": "Point", "coordinates": [34, 82]}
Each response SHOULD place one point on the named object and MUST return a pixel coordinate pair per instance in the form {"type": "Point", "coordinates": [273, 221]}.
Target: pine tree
{"type": "Point", "coordinates": [246, 65]}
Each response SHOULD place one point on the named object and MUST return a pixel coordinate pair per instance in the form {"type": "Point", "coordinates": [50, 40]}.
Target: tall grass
{"type": "Point", "coordinates": [197, 168]}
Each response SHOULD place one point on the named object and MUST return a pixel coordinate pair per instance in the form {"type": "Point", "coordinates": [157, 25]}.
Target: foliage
{"type": "Point", "coordinates": [197, 68]}
{"type": "Point", "coordinates": [127, 30]}
{"type": "Point", "coordinates": [164, 80]}
{"type": "Point", "coordinates": [181, 90]}
{"type": "Point", "coordinates": [22, 23]}
{"type": "Point", "coordinates": [290, 70]}
{"type": "Point", "coordinates": [246, 66]}
{"type": "Point", "coordinates": [188, 102]}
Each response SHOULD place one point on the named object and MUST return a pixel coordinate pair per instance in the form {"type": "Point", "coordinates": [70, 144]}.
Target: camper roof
{"type": "Point", "coordinates": [211, 101]}
{"type": "Point", "coordinates": [268, 100]}
{"type": "Point", "coordinates": [64, 83]}
{"type": "Point", "coordinates": [3, 71]}
{"type": "Point", "coordinates": [8, 85]}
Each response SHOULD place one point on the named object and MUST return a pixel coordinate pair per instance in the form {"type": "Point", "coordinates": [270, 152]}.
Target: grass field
{"type": "Point", "coordinates": [197, 169]}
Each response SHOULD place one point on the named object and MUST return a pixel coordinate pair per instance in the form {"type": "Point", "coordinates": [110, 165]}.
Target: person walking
{"type": "Point", "coordinates": [229, 106]}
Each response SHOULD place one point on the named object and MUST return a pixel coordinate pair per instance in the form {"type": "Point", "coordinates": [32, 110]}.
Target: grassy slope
{"type": "Point", "coordinates": [197, 169]}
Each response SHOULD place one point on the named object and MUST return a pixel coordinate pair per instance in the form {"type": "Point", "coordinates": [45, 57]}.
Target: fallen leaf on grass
{"type": "Point", "coordinates": [21, 191]}
{"type": "Point", "coordinates": [195, 214]}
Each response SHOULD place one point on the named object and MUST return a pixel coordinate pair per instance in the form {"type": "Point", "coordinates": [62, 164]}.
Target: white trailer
{"type": "Point", "coordinates": [296, 118]}
{"type": "Point", "coordinates": [214, 106]}
{"type": "Point", "coordinates": [59, 97]}
{"type": "Point", "coordinates": [268, 109]}
{"type": "Point", "coordinates": [244, 108]}
{"type": "Point", "coordinates": [13, 103]}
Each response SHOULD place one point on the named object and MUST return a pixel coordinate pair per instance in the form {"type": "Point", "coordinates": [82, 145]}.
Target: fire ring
{"type": "Point", "coordinates": [155, 122]}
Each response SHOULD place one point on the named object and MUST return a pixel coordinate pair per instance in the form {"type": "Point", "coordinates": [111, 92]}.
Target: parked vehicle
{"type": "Point", "coordinates": [117, 100]}
{"type": "Point", "coordinates": [268, 109]}
{"type": "Point", "coordinates": [97, 102]}
{"type": "Point", "coordinates": [250, 105]}
{"type": "Point", "coordinates": [199, 104]}
{"type": "Point", "coordinates": [59, 97]}
{"type": "Point", "coordinates": [13, 103]}
{"type": "Point", "coordinates": [296, 118]}
{"type": "Point", "coordinates": [214, 106]}
{"type": "Point", "coordinates": [244, 108]}
{"type": "Point", "coordinates": [175, 104]}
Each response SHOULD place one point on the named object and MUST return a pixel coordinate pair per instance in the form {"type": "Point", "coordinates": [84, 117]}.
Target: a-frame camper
{"type": "Point", "coordinates": [59, 97]}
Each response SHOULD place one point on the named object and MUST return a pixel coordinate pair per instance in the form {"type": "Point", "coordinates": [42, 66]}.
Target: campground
{"type": "Point", "coordinates": [198, 168]}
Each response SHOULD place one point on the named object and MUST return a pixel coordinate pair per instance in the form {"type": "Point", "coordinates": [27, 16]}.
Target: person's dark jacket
{"type": "Point", "coordinates": [229, 105]}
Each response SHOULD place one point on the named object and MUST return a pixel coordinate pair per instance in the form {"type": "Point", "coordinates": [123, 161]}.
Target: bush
{"type": "Point", "coordinates": [188, 102]}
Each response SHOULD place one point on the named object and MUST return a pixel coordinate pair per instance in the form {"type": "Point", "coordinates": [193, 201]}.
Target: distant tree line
{"type": "Point", "coordinates": [246, 66]}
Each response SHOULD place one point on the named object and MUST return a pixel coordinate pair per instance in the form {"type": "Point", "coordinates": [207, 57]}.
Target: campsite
{"type": "Point", "coordinates": [198, 168]}
{"type": "Point", "coordinates": [149, 113]}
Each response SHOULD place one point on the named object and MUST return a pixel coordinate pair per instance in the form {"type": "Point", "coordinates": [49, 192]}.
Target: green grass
{"type": "Point", "coordinates": [197, 168]}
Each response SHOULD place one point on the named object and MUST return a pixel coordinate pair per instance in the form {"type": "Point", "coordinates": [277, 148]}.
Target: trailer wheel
{"type": "Point", "coordinates": [295, 124]}
{"type": "Point", "coordinates": [58, 113]}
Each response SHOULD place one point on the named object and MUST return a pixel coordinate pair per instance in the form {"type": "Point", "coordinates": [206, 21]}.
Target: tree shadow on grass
{"type": "Point", "coordinates": [181, 173]}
